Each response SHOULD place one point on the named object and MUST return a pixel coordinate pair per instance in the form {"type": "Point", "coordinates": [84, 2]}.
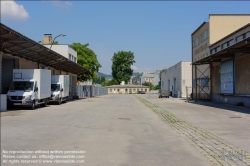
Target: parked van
{"type": "Point", "coordinates": [29, 87]}
{"type": "Point", "coordinates": [59, 88]}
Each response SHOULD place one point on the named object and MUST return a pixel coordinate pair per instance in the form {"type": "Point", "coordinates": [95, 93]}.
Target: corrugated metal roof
{"type": "Point", "coordinates": [16, 44]}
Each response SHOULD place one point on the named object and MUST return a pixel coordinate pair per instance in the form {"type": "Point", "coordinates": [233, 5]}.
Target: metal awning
{"type": "Point", "coordinates": [16, 44]}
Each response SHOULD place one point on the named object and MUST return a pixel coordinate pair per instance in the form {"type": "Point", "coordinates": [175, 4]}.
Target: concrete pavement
{"type": "Point", "coordinates": [114, 130]}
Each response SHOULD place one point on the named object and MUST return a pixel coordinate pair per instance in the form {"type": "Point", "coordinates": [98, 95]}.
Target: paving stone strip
{"type": "Point", "coordinates": [215, 149]}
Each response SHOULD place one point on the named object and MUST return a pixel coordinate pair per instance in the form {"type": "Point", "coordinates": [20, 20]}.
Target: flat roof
{"type": "Point", "coordinates": [16, 44]}
{"type": "Point", "coordinates": [199, 27]}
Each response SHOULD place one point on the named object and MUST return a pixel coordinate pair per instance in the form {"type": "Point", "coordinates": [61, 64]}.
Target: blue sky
{"type": "Point", "coordinates": [158, 32]}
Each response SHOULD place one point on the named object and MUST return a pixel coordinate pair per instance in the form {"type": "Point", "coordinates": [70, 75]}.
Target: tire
{"type": "Point", "coordinates": [45, 103]}
{"type": "Point", "coordinates": [33, 106]}
{"type": "Point", "coordinates": [60, 101]}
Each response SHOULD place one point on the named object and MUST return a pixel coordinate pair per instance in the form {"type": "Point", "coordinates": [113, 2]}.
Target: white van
{"type": "Point", "coordinates": [29, 87]}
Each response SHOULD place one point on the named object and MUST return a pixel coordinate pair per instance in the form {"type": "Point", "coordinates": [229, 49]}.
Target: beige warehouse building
{"type": "Point", "coordinates": [127, 89]}
{"type": "Point", "coordinates": [221, 58]}
{"type": "Point", "coordinates": [208, 33]}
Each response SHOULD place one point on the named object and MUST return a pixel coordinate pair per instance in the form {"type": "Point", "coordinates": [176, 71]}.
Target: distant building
{"type": "Point", "coordinates": [147, 77]}
{"type": "Point", "coordinates": [177, 77]}
{"type": "Point", "coordinates": [156, 77]}
{"type": "Point", "coordinates": [126, 89]}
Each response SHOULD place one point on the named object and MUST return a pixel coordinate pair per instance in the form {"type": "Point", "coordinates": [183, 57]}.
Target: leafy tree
{"type": "Point", "coordinates": [110, 82]}
{"type": "Point", "coordinates": [151, 86]}
{"type": "Point", "coordinates": [157, 87]}
{"type": "Point", "coordinates": [121, 66]}
{"type": "Point", "coordinates": [55, 43]}
{"type": "Point", "coordinates": [99, 80]}
{"type": "Point", "coordinates": [88, 59]}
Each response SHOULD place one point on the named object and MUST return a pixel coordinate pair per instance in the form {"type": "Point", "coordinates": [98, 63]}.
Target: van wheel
{"type": "Point", "coordinates": [60, 101]}
{"type": "Point", "coordinates": [33, 106]}
{"type": "Point", "coordinates": [45, 103]}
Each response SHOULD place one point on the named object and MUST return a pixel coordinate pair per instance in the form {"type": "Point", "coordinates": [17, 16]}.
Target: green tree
{"type": "Point", "coordinates": [55, 43]}
{"type": "Point", "coordinates": [157, 87]}
{"type": "Point", "coordinates": [151, 86]}
{"type": "Point", "coordinates": [121, 66]}
{"type": "Point", "coordinates": [110, 82]}
{"type": "Point", "coordinates": [88, 59]}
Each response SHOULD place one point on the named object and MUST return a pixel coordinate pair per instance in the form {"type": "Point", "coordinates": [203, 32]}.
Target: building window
{"type": "Point", "coordinates": [118, 90]}
{"type": "Point", "coordinates": [224, 46]}
{"type": "Point", "coordinates": [204, 81]}
{"type": "Point", "coordinates": [110, 90]}
{"type": "Point", "coordinates": [134, 90]}
{"type": "Point", "coordinates": [238, 39]}
{"type": "Point", "coordinates": [70, 56]}
{"type": "Point", "coordinates": [231, 42]}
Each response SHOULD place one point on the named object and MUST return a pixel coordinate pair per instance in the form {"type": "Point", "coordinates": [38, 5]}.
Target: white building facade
{"type": "Point", "coordinates": [156, 77]}
{"type": "Point", "coordinates": [177, 78]}
{"type": "Point", "coordinates": [147, 77]}
{"type": "Point", "coordinates": [65, 50]}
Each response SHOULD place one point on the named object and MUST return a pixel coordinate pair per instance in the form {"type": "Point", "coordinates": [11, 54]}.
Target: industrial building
{"type": "Point", "coordinates": [230, 70]}
{"type": "Point", "coordinates": [208, 33]}
{"type": "Point", "coordinates": [176, 78]}
{"type": "Point", "coordinates": [147, 77]}
{"type": "Point", "coordinates": [20, 52]}
{"type": "Point", "coordinates": [126, 89]}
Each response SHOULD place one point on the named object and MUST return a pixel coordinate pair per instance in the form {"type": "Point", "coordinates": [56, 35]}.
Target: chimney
{"type": "Point", "coordinates": [47, 39]}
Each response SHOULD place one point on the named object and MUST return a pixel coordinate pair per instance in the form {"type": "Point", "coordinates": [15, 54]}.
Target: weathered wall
{"type": "Point", "coordinates": [242, 75]}
{"type": "Point", "coordinates": [216, 78]}
{"type": "Point", "coordinates": [26, 64]}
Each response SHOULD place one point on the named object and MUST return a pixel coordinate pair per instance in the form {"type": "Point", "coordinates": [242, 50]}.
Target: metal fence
{"type": "Point", "coordinates": [85, 91]}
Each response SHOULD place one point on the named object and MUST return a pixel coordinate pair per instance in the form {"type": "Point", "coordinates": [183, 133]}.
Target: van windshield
{"type": "Point", "coordinates": [22, 85]}
{"type": "Point", "coordinates": [55, 87]}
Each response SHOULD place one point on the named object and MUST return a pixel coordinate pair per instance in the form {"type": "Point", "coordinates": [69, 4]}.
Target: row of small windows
{"type": "Point", "coordinates": [201, 38]}
{"type": "Point", "coordinates": [118, 90]}
{"type": "Point", "coordinates": [230, 43]}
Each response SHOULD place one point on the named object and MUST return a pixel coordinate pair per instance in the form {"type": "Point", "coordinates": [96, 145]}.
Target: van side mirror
{"type": "Point", "coordinates": [36, 89]}
{"type": "Point", "coordinates": [61, 89]}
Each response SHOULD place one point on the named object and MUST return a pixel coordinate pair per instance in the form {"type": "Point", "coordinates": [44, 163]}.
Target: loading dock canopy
{"type": "Point", "coordinates": [228, 47]}
{"type": "Point", "coordinates": [16, 44]}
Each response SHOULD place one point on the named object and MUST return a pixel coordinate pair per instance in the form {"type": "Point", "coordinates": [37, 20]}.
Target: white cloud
{"type": "Point", "coordinates": [134, 68]}
{"type": "Point", "coordinates": [10, 10]}
{"type": "Point", "coordinates": [65, 5]}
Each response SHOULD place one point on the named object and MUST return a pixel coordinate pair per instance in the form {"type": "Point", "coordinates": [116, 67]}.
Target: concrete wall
{"type": "Point", "coordinates": [186, 77]}
{"type": "Point", "coordinates": [222, 25]}
{"type": "Point", "coordinates": [169, 75]}
{"type": "Point", "coordinates": [26, 64]}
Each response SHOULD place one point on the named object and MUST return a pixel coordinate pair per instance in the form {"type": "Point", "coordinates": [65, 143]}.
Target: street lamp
{"type": "Point", "coordinates": [55, 38]}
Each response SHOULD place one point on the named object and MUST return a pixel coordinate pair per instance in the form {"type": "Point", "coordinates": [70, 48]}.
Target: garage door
{"type": "Point", "coordinates": [227, 77]}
